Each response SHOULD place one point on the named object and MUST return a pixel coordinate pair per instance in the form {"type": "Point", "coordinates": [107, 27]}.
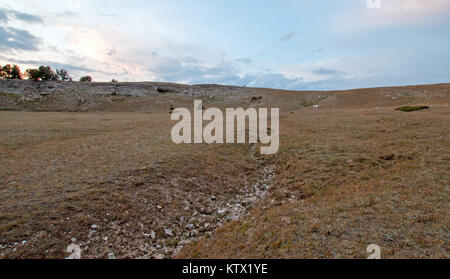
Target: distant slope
{"type": "Point", "coordinates": [150, 96]}
{"type": "Point", "coordinates": [390, 96]}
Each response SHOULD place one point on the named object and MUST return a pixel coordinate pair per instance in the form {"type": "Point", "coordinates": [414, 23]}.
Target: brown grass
{"type": "Point", "coordinates": [335, 193]}
{"type": "Point", "coordinates": [63, 172]}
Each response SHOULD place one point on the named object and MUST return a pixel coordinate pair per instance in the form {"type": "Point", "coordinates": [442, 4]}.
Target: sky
{"type": "Point", "coordinates": [285, 44]}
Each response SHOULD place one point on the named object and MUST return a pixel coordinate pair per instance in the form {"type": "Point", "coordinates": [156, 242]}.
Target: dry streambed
{"type": "Point", "coordinates": [185, 211]}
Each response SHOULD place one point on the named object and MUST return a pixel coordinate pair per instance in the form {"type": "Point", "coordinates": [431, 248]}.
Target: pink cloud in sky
{"type": "Point", "coordinates": [407, 11]}
{"type": "Point", "coordinates": [391, 13]}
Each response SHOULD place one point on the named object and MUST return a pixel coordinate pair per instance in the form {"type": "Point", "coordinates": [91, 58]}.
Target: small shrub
{"type": "Point", "coordinates": [43, 73]}
{"type": "Point", "coordinates": [408, 108]}
{"type": "Point", "coordinates": [10, 72]}
{"type": "Point", "coordinates": [63, 74]}
{"type": "Point", "coordinates": [47, 73]}
{"type": "Point", "coordinates": [86, 79]}
{"type": "Point", "coordinates": [34, 74]}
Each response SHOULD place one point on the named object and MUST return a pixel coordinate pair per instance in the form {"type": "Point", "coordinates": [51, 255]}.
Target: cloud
{"type": "Point", "coordinates": [272, 80]}
{"type": "Point", "coordinates": [189, 59]}
{"type": "Point", "coordinates": [287, 37]}
{"type": "Point", "coordinates": [108, 15]}
{"type": "Point", "coordinates": [319, 50]}
{"type": "Point", "coordinates": [29, 18]}
{"type": "Point", "coordinates": [244, 60]}
{"type": "Point", "coordinates": [5, 15]}
{"type": "Point", "coordinates": [324, 71]}
{"type": "Point", "coordinates": [76, 69]}
{"type": "Point", "coordinates": [65, 14]}
{"type": "Point", "coordinates": [53, 64]}
{"type": "Point", "coordinates": [412, 10]}
{"type": "Point", "coordinates": [394, 12]}
{"type": "Point", "coordinates": [224, 72]}
{"type": "Point", "coordinates": [174, 70]}
{"type": "Point", "coordinates": [228, 72]}
{"type": "Point", "coordinates": [111, 51]}
{"type": "Point", "coordinates": [17, 39]}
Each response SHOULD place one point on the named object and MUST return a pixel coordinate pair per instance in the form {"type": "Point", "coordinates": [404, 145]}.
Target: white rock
{"type": "Point", "coordinates": [168, 232]}
{"type": "Point", "coordinates": [222, 211]}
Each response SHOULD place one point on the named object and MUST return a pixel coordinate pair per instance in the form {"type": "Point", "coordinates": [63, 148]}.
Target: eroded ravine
{"type": "Point", "coordinates": [238, 207]}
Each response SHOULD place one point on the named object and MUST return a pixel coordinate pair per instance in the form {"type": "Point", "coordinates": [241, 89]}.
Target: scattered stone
{"type": "Point", "coordinates": [168, 232]}
{"type": "Point", "coordinates": [234, 217]}
{"type": "Point", "coordinates": [206, 211]}
{"type": "Point", "coordinates": [190, 226]}
{"type": "Point", "coordinates": [389, 157]}
{"type": "Point", "coordinates": [222, 211]}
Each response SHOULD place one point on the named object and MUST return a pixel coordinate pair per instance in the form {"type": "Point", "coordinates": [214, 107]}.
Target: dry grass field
{"type": "Point", "coordinates": [346, 176]}
{"type": "Point", "coordinates": [346, 179]}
